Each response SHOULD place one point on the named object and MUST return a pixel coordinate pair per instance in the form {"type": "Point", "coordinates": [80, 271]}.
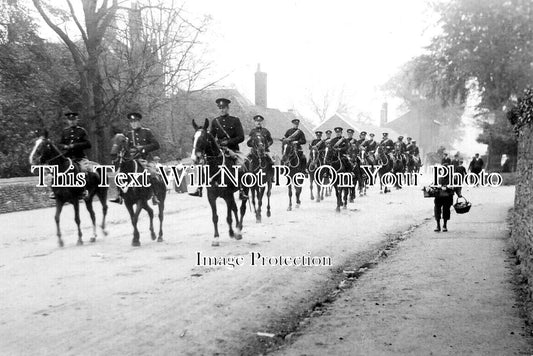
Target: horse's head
{"type": "Point", "coordinates": [43, 151]}
{"type": "Point", "coordinates": [288, 151]}
{"type": "Point", "coordinates": [204, 143]}
{"type": "Point", "coordinates": [259, 144]}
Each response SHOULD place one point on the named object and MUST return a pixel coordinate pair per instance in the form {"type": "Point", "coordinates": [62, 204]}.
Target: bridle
{"type": "Point", "coordinates": [288, 159]}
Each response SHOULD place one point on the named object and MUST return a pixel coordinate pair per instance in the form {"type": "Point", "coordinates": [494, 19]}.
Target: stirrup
{"type": "Point", "coordinates": [197, 193]}
{"type": "Point", "coordinates": [117, 200]}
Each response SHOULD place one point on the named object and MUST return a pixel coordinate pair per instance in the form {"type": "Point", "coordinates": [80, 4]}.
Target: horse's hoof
{"type": "Point", "coordinates": [215, 243]}
{"type": "Point", "coordinates": [352, 200]}
{"type": "Point", "coordinates": [258, 220]}
{"type": "Point", "coordinates": [159, 239]}
{"type": "Point", "coordinates": [105, 232]}
{"type": "Point", "coordinates": [312, 198]}
{"type": "Point", "coordinates": [93, 239]}
{"type": "Point", "coordinates": [79, 243]}
{"type": "Point", "coordinates": [344, 207]}
{"type": "Point", "coordinates": [289, 208]}
{"type": "Point", "coordinates": [136, 243]}
{"type": "Point", "coordinates": [268, 214]}
{"type": "Point", "coordinates": [297, 206]}
{"type": "Point", "coordinates": [232, 234]}
{"type": "Point", "coordinates": [60, 243]}
{"type": "Point", "coordinates": [338, 210]}
{"type": "Point", "coordinates": [153, 236]}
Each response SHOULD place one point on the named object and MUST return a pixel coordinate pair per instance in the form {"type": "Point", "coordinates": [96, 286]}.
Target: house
{"type": "Point", "coordinates": [201, 105]}
{"type": "Point", "coordinates": [338, 120]}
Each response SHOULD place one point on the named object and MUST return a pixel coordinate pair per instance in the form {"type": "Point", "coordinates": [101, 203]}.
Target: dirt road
{"type": "Point", "coordinates": [111, 298]}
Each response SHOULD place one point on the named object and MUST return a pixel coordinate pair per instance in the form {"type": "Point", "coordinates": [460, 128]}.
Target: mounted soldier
{"type": "Point", "coordinates": [360, 141]}
{"type": "Point", "coordinates": [328, 136]}
{"type": "Point", "coordinates": [341, 144]}
{"type": "Point", "coordinates": [400, 148]}
{"type": "Point", "coordinates": [387, 145]}
{"type": "Point", "coordinates": [141, 142]}
{"type": "Point", "coordinates": [296, 137]}
{"type": "Point", "coordinates": [319, 143]}
{"type": "Point", "coordinates": [74, 141]}
{"type": "Point", "coordinates": [349, 136]}
{"type": "Point", "coordinates": [228, 132]}
{"type": "Point", "coordinates": [259, 130]}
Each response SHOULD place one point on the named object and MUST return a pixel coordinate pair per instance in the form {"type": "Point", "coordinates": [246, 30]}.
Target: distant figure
{"type": "Point", "coordinates": [443, 202]}
{"type": "Point", "coordinates": [446, 161]}
{"type": "Point", "coordinates": [476, 165]}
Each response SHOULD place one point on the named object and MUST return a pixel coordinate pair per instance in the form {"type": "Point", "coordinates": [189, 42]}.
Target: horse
{"type": "Point", "coordinates": [386, 163]}
{"type": "Point", "coordinates": [356, 158]}
{"type": "Point", "coordinates": [205, 150]}
{"type": "Point", "coordinates": [398, 166]}
{"type": "Point", "coordinates": [128, 163]}
{"type": "Point", "coordinates": [45, 152]}
{"type": "Point", "coordinates": [316, 159]}
{"type": "Point", "coordinates": [291, 159]}
{"type": "Point", "coordinates": [334, 160]}
{"type": "Point", "coordinates": [413, 163]}
{"type": "Point", "coordinates": [259, 162]}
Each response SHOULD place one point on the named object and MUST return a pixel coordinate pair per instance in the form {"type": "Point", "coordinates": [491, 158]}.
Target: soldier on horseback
{"type": "Point", "coordinates": [400, 148]}
{"type": "Point", "coordinates": [74, 141]}
{"type": "Point", "coordinates": [342, 145]}
{"type": "Point", "coordinates": [296, 137]}
{"type": "Point", "coordinates": [141, 142]}
{"type": "Point", "coordinates": [319, 143]}
{"type": "Point", "coordinates": [259, 130]}
{"type": "Point", "coordinates": [228, 132]}
{"type": "Point", "coordinates": [349, 136]}
{"type": "Point", "coordinates": [328, 136]}
{"type": "Point", "coordinates": [387, 145]}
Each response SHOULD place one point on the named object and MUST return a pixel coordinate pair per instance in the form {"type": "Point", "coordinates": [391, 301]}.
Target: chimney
{"type": "Point", "coordinates": [260, 88]}
{"type": "Point", "coordinates": [384, 113]}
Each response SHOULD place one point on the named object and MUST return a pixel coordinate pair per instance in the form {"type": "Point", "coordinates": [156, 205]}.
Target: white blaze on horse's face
{"type": "Point", "coordinates": [34, 150]}
{"type": "Point", "coordinates": [195, 142]}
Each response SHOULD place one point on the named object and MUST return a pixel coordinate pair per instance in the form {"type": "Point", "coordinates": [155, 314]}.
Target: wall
{"type": "Point", "coordinates": [522, 218]}
{"type": "Point", "coordinates": [18, 194]}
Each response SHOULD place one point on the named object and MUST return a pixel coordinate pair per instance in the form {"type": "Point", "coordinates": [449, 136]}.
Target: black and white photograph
{"type": "Point", "coordinates": [283, 177]}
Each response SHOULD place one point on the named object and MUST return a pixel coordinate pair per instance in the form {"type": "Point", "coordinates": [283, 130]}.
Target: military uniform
{"type": "Point", "coordinates": [400, 146]}
{"type": "Point", "coordinates": [370, 145]}
{"type": "Point", "coordinates": [228, 128]}
{"type": "Point", "coordinates": [78, 138]}
{"type": "Point", "coordinates": [143, 139]}
{"type": "Point", "coordinates": [296, 135]}
{"type": "Point", "coordinates": [262, 132]}
{"type": "Point", "coordinates": [387, 145]}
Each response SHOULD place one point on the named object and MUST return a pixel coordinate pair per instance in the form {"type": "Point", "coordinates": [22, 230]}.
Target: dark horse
{"type": "Point", "coordinates": [316, 159]}
{"type": "Point", "coordinates": [258, 161]}
{"type": "Point", "coordinates": [357, 159]}
{"type": "Point", "coordinates": [387, 164]}
{"type": "Point", "coordinates": [334, 160]}
{"type": "Point", "coordinates": [46, 153]}
{"type": "Point", "coordinates": [206, 151]}
{"type": "Point", "coordinates": [398, 166]}
{"type": "Point", "coordinates": [291, 160]}
{"type": "Point", "coordinates": [413, 163]}
{"type": "Point", "coordinates": [138, 196]}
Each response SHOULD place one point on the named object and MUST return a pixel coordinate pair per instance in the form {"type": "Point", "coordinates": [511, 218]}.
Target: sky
{"type": "Point", "coordinates": [309, 48]}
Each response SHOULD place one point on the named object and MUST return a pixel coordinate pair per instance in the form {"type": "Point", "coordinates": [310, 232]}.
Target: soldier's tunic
{"type": "Point", "coordinates": [370, 145]}
{"type": "Point", "coordinates": [228, 128]}
{"type": "Point", "coordinates": [299, 137]}
{"type": "Point", "coordinates": [263, 132]}
{"type": "Point", "coordinates": [76, 136]}
{"type": "Point", "coordinates": [341, 144]}
{"type": "Point", "coordinates": [400, 146]}
{"type": "Point", "coordinates": [144, 138]}
{"type": "Point", "coordinates": [318, 143]}
{"type": "Point", "coordinates": [387, 145]}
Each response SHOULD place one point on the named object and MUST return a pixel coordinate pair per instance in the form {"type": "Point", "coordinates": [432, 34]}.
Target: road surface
{"type": "Point", "coordinates": [111, 298]}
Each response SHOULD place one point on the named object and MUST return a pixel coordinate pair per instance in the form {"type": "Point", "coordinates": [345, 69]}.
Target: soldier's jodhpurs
{"type": "Point", "coordinates": [443, 204]}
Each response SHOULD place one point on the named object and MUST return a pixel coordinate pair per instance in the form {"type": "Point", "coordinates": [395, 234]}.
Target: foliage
{"type": "Point", "coordinates": [521, 114]}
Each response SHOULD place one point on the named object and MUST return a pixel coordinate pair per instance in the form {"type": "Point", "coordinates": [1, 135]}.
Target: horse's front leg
{"type": "Point", "coordinates": [339, 198]}
{"type": "Point", "coordinates": [311, 185]}
{"type": "Point", "coordinates": [239, 220]}
{"type": "Point", "coordinates": [290, 197]}
{"type": "Point", "coordinates": [298, 191]}
{"type": "Point", "coordinates": [214, 216]}
{"type": "Point", "coordinates": [102, 196]}
{"type": "Point", "coordinates": [269, 191]}
{"type": "Point", "coordinates": [89, 205]}
{"type": "Point", "coordinates": [59, 207]}
{"type": "Point", "coordinates": [134, 215]}
{"type": "Point", "coordinates": [150, 212]}
{"type": "Point", "coordinates": [229, 218]}
{"type": "Point", "coordinates": [76, 205]}
{"type": "Point", "coordinates": [260, 194]}
{"type": "Point", "coordinates": [161, 207]}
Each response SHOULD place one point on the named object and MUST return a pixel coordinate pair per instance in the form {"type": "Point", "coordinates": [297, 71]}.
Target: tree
{"type": "Point", "coordinates": [129, 59]}
{"type": "Point", "coordinates": [485, 46]}
{"type": "Point", "coordinates": [36, 79]}
{"type": "Point", "coordinates": [327, 103]}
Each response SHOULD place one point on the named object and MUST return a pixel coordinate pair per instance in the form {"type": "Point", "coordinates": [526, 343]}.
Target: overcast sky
{"type": "Point", "coordinates": [310, 47]}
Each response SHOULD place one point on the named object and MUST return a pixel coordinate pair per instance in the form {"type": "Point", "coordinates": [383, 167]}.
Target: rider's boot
{"type": "Point", "coordinates": [197, 193]}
